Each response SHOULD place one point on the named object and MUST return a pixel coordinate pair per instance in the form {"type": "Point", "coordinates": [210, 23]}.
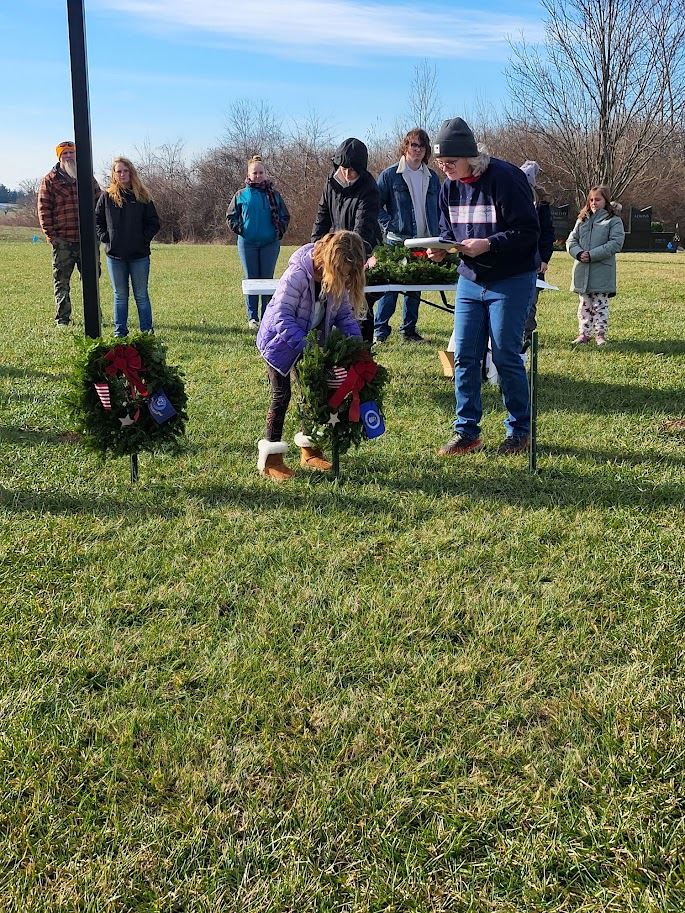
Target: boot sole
{"type": "Point", "coordinates": [265, 474]}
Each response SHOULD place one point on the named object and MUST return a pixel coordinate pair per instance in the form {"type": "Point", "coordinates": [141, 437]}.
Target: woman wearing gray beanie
{"type": "Point", "coordinates": [486, 207]}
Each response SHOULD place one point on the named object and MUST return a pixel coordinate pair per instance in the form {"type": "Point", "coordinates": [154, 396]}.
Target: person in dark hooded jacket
{"type": "Point", "coordinates": [351, 202]}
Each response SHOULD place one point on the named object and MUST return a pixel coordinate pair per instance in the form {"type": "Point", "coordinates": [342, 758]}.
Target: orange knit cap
{"type": "Point", "coordinates": [61, 147]}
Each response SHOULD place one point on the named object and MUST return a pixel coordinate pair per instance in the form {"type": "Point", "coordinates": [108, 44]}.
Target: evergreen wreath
{"type": "Point", "coordinates": [314, 372]}
{"type": "Point", "coordinates": [116, 416]}
{"type": "Point", "coordinates": [399, 265]}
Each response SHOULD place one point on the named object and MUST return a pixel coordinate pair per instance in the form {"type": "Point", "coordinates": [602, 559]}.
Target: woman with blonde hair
{"type": "Point", "coordinates": [322, 288]}
{"type": "Point", "coordinates": [126, 221]}
{"type": "Point", "coordinates": [259, 216]}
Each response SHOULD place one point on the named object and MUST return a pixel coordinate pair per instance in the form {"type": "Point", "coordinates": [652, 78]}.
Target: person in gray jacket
{"type": "Point", "coordinates": [597, 237]}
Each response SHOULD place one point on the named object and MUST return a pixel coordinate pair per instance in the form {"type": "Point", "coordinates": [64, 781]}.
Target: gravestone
{"type": "Point", "coordinates": [640, 221]}
{"type": "Point", "coordinates": [561, 221]}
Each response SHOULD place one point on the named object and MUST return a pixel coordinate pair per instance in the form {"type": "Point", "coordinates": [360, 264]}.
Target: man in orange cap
{"type": "Point", "coordinates": [58, 216]}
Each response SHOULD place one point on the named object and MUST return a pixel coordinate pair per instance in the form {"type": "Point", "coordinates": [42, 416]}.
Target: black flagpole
{"type": "Point", "coordinates": [84, 168]}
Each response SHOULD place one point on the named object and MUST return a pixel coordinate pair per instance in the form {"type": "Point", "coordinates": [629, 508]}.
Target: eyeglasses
{"type": "Point", "coordinates": [445, 163]}
{"type": "Point", "coordinates": [416, 146]}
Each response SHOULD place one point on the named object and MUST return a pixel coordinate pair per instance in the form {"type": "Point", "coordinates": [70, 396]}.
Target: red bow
{"type": "Point", "coordinates": [126, 360]}
{"type": "Point", "coordinates": [358, 375]}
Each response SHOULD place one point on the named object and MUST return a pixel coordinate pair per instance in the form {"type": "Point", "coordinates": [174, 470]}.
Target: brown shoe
{"type": "Point", "coordinates": [270, 463]}
{"type": "Point", "coordinates": [313, 458]}
{"type": "Point", "coordinates": [459, 445]}
{"type": "Point", "coordinates": [513, 445]}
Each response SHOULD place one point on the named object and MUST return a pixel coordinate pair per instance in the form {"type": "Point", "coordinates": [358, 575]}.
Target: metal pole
{"type": "Point", "coordinates": [84, 168]}
{"type": "Point", "coordinates": [134, 468]}
{"type": "Point", "coordinates": [335, 454]}
{"type": "Point", "coordinates": [533, 386]}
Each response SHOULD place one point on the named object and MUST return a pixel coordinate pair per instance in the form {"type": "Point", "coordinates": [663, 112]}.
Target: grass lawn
{"type": "Point", "coordinates": [439, 686]}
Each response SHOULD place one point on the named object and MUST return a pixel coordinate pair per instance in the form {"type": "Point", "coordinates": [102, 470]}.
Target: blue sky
{"type": "Point", "coordinates": [168, 70]}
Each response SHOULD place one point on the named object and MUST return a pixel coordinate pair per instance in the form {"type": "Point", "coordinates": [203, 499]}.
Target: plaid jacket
{"type": "Point", "coordinates": [58, 206]}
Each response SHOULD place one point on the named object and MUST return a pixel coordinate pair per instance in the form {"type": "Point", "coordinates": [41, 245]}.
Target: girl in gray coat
{"type": "Point", "coordinates": [596, 238]}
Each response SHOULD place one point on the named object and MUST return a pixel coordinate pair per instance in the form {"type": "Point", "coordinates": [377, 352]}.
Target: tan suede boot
{"type": "Point", "coordinates": [311, 456]}
{"type": "Point", "coordinates": [270, 462]}
{"type": "Point", "coordinates": [275, 468]}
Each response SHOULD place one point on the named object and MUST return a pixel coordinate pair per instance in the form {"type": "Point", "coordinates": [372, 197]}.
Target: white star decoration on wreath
{"type": "Point", "coordinates": [333, 419]}
{"type": "Point", "coordinates": [128, 420]}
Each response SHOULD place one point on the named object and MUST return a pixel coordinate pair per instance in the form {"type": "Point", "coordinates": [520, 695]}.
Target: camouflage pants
{"type": "Point", "coordinates": [65, 256]}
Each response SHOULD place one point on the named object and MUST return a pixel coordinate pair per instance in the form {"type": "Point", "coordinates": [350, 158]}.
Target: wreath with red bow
{"type": "Point", "coordinates": [334, 381]}
{"type": "Point", "coordinates": [125, 398]}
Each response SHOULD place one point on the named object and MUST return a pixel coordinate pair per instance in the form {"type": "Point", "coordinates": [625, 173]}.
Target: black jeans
{"type": "Point", "coordinates": [366, 324]}
{"type": "Point", "coordinates": [280, 400]}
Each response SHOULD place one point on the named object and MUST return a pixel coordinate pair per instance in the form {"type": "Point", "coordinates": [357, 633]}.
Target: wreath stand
{"type": "Point", "coordinates": [341, 394]}
{"type": "Point", "coordinates": [125, 399]}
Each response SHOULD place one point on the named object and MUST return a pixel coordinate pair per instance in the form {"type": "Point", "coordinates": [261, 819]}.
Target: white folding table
{"type": "Point", "coordinates": [268, 287]}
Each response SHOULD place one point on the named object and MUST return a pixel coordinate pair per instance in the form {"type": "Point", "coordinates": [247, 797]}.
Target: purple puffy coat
{"type": "Point", "coordinates": [288, 317]}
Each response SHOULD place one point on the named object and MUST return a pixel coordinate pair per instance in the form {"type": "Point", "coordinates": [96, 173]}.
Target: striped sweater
{"type": "Point", "coordinates": [498, 206]}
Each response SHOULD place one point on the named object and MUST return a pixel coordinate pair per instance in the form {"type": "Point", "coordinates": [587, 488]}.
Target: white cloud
{"type": "Point", "coordinates": [304, 28]}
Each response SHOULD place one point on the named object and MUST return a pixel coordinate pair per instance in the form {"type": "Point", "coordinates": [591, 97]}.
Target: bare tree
{"type": "Point", "coordinates": [607, 91]}
{"type": "Point", "coordinates": [425, 109]}
{"type": "Point", "coordinates": [166, 173]}
{"type": "Point", "coordinates": [252, 128]}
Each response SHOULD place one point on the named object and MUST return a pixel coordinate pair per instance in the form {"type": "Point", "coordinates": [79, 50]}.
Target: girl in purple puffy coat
{"type": "Point", "coordinates": [322, 288]}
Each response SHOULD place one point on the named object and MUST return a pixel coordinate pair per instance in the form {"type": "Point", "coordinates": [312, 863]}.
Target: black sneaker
{"type": "Point", "coordinates": [413, 336]}
{"type": "Point", "coordinates": [513, 445]}
{"type": "Point", "coordinates": [460, 444]}
{"type": "Point", "coordinates": [379, 340]}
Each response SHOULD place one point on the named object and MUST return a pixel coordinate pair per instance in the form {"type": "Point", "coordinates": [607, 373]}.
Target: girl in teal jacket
{"type": "Point", "coordinates": [258, 215]}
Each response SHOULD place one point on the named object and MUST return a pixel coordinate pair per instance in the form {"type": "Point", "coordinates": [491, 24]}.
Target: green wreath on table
{"type": "Point", "coordinates": [322, 374]}
{"type": "Point", "coordinates": [125, 398]}
{"type": "Point", "coordinates": [399, 265]}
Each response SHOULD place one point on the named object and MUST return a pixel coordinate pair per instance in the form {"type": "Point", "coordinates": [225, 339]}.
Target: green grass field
{"type": "Point", "coordinates": [438, 686]}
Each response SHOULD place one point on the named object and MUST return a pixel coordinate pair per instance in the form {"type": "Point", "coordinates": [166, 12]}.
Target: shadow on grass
{"type": "Point", "coordinates": [559, 391]}
{"type": "Point", "coordinates": [299, 495]}
{"type": "Point", "coordinates": [551, 487]}
{"type": "Point", "coordinates": [57, 502]}
{"type": "Point", "coordinates": [648, 346]}
{"type": "Point", "coordinates": [498, 482]}
{"type": "Point", "coordinates": [618, 457]}
{"type": "Point", "coordinates": [206, 329]}
{"type": "Point", "coordinates": [11, 371]}
{"type": "Point", "coordinates": [31, 436]}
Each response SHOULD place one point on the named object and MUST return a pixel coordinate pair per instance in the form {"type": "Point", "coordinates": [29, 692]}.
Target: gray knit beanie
{"type": "Point", "coordinates": [455, 139]}
{"type": "Point", "coordinates": [531, 171]}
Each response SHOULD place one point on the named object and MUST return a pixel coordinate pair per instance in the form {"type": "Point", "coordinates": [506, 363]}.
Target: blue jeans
{"type": "Point", "coordinates": [119, 273]}
{"type": "Point", "coordinates": [259, 262]}
{"type": "Point", "coordinates": [386, 308]}
{"type": "Point", "coordinates": [498, 308]}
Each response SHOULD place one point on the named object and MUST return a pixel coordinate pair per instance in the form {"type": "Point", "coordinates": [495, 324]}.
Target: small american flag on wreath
{"type": "Point", "coordinates": [102, 391]}
{"type": "Point", "coordinates": [335, 377]}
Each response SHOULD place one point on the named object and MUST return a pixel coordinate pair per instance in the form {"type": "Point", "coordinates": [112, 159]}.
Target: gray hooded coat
{"type": "Point", "coordinates": [602, 235]}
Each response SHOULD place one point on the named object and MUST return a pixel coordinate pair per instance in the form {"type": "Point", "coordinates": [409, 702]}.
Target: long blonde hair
{"type": "Point", "coordinates": [115, 190]}
{"type": "Point", "coordinates": [339, 258]}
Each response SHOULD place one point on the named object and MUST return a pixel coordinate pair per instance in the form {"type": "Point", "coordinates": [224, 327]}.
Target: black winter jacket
{"type": "Point", "coordinates": [353, 208]}
{"type": "Point", "coordinates": [126, 231]}
{"type": "Point", "coordinates": [546, 239]}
